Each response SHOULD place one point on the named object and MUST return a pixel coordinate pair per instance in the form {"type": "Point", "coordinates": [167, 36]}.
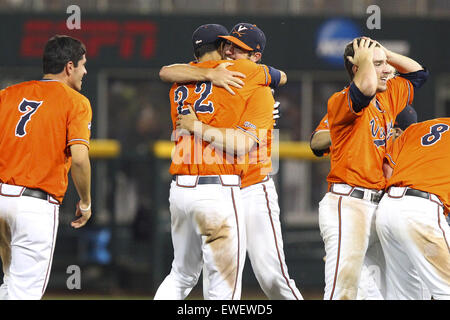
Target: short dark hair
{"type": "Point", "coordinates": [350, 52]}
{"type": "Point", "coordinates": [208, 47]}
{"type": "Point", "coordinates": [60, 50]}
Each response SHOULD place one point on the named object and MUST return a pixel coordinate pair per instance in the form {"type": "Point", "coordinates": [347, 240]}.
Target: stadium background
{"type": "Point", "coordinates": [125, 250]}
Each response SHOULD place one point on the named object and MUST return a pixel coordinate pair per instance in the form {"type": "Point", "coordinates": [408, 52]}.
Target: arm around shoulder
{"type": "Point", "coordinates": [182, 73]}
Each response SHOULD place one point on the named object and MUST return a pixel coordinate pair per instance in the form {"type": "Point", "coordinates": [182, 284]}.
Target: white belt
{"type": "Point", "coordinates": [189, 181]}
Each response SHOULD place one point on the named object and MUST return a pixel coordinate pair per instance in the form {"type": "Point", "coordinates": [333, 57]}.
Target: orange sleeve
{"type": "Point", "coordinates": [323, 125]}
{"type": "Point", "coordinates": [340, 108]}
{"type": "Point", "coordinates": [257, 117]}
{"type": "Point", "coordinates": [79, 124]}
{"type": "Point", "coordinates": [402, 93]}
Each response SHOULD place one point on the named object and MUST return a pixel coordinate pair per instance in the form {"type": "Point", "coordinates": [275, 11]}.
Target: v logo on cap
{"type": "Point", "coordinates": [241, 28]}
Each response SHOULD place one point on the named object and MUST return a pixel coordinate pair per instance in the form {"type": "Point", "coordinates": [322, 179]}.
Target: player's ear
{"type": "Point", "coordinates": [354, 69]}
{"type": "Point", "coordinates": [69, 68]}
{"type": "Point", "coordinates": [256, 56]}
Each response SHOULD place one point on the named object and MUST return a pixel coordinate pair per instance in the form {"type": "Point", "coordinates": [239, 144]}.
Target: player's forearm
{"type": "Point", "coordinates": [81, 173]}
{"type": "Point", "coordinates": [233, 141]}
{"type": "Point", "coordinates": [366, 78]}
{"type": "Point", "coordinates": [402, 63]}
{"type": "Point", "coordinates": [182, 73]}
{"type": "Point", "coordinates": [321, 140]}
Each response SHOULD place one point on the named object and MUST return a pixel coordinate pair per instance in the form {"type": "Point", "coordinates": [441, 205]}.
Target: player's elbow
{"type": "Point", "coordinates": [320, 140]}
{"type": "Point", "coordinates": [164, 74]}
{"type": "Point", "coordinates": [80, 155]}
{"type": "Point", "coordinates": [245, 147]}
{"type": "Point", "coordinates": [283, 78]}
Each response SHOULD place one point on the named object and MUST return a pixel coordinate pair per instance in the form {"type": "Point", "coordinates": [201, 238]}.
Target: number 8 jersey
{"type": "Point", "coordinates": [36, 133]}
{"type": "Point", "coordinates": [423, 145]}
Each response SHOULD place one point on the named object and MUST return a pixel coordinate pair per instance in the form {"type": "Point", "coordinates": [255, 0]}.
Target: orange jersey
{"type": "Point", "coordinates": [257, 123]}
{"type": "Point", "coordinates": [218, 108]}
{"type": "Point", "coordinates": [360, 138]}
{"type": "Point", "coordinates": [39, 121]}
{"type": "Point", "coordinates": [420, 158]}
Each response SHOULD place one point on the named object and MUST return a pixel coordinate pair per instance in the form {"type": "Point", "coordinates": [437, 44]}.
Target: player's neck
{"type": "Point", "coordinates": [57, 77]}
{"type": "Point", "coordinates": [214, 55]}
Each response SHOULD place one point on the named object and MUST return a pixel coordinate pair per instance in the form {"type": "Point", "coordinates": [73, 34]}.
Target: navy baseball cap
{"type": "Point", "coordinates": [207, 33]}
{"type": "Point", "coordinates": [247, 36]}
{"type": "Point", "coordinates": [405, 118]}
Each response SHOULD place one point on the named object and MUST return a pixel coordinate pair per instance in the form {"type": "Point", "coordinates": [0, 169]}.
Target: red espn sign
{"type": "Point", "coordinates": [95, 34]}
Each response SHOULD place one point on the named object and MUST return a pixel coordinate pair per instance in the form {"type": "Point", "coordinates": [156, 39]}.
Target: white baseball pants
{"type": "Point", "coordinates": [208, 230]}
{"type": "Point", "coordinates": [32, 224]}
{"type": "Point", "coordinates": [265, 243]}
{"type": "Point", "coordinates": [415, 238]}
{"type": "Point", "coordinates": [347, 227]}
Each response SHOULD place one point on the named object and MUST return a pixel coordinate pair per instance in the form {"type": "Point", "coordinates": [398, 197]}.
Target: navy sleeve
{"type": "Point", "coordinates": [359, 100]}
{"type": "Point", "coordinates": [417, 78]}
{"type": "Point", "coordinates": [275, 74]}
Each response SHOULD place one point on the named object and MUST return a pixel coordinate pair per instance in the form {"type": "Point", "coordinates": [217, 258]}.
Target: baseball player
{"type": "Point", "coordinates": [205, 200]}
{"type": "Point", "coordinates": [261, 204]}
{"type": "Point", "coordinates": [262, 213]}
{"type": "Point", "coordinates": [247, 41]}
{"type": "Point", "coordinates": [361, 118]}
{"type": "Point", "coordinates": [320, 144]}
{"type": "Point", "coordinates": [45, 133]}
{"type": "Point", "coordinates": [411, 216]}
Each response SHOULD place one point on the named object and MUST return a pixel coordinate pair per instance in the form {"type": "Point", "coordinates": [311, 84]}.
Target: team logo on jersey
{"type": "Point", "coordinates": [379, 133]}
{"type": "Point", "coordinates": [249, 125]}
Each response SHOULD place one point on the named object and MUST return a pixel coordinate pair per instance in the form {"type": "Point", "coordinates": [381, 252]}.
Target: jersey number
{"type": "Point", "coordinates": [204, 89]}
{"type": "Point", "coordinates": [28, 108]}
{"type": "Point", "coordinates": [435, 134]}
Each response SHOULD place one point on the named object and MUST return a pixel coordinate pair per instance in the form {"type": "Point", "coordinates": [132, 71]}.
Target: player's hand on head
{"type": "Point", "coordinates": [83, 212]}
{"type": "Point", "coordinates": [222, 77]}
{"type": "Point", "coordinates": [187, 121]}
{"type": "Point", "coordinates": [363, 51]}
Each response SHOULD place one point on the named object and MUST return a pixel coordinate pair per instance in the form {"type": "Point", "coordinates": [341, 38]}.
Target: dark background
{"type": "Point", "coordinates": [126, 248]}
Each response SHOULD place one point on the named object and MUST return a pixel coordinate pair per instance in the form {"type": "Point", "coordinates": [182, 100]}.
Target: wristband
{"type": "Point", "coordinates": [86, 209]}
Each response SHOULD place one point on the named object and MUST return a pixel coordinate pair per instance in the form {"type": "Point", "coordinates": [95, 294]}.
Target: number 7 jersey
{"type": "Point", "coordinates": [39, 120]}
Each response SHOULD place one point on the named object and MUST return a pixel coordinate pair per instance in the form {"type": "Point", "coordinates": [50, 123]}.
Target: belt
{"type": "Point", "coordinates": [10, 190]}
{"type": "Point", "coordinates": [417, 193]}
{"type": "Point", "coordinates": [399, 192]}
{"type": "Point", "coordinates": [204, 180]}
{"type": "Point", "coordinates": [359, 194]}
{"type": "Point", "coordinates": [35, 193]}
{"type": "Point", "coordinates": [343, 189]}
